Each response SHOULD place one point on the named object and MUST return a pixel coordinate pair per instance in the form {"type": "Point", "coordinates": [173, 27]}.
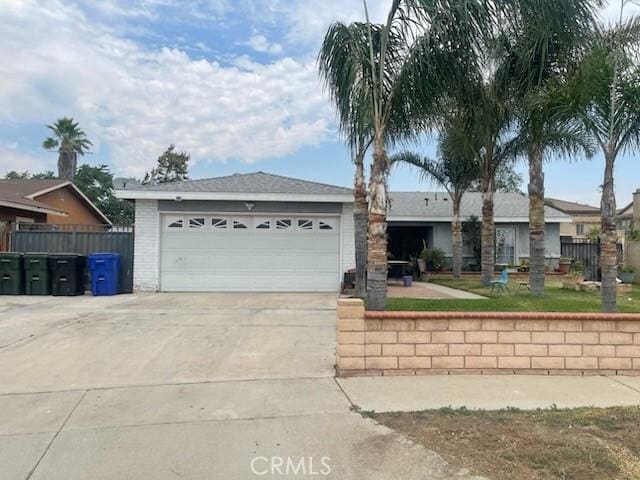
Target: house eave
{"type": "Point", "coordinates": [31, 208]}
{"type": "Point", "coordinates": [243, 196]}
{"type": "Point", "coordinates": [496, 219]}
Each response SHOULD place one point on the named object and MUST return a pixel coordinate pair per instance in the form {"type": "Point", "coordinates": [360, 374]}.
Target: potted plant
{"type": "Point", "coordinates": [626, 274]}
{"type": "Point", "coordinates": [575, 276]}
{"type": "Point", "coordinates": [433, 258]}
{"type": "Point", "coordinates": [564, 265]}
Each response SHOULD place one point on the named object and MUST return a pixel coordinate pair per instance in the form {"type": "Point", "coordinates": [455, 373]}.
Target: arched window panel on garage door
{"type": "Point", "coordinates": [196, 223]}
{"type": "Point", "coordinates": [305, 224]}
{"type": "Point", "coordinates": [284, 223]}
{"type": "Point", "coordinates": [262, 223]}
{"type": "Point", "coordinates": [218, 223]}
{"type": "Point", "coordinates": [173, 223]}
{"type": "Point", "coordinates": [240, 223]}
{"type": "Point", "coordinates": [327, 224]}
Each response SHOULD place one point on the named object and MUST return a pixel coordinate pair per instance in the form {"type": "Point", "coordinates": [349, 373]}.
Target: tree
{"type": "Point", "coordinates": [472, 235]}
{"type": "Point", "coordinates": [604, 95]}
{"type": "Point", "coordinates": [350, 70]}
{"type": "Point", "coordinates": [506, 180]}
{"type": "Point", "coordinates": [410, 56]}
{"type": "Point", "coordinates": [455, 170]}
{"type": "Point", "coordinates": [69, 140]}
{"type": "Point", "coordinates": [172, 167]}
{"type": "Point", "coordinates": [539, 41]}
{"type": "Point", "coordinates": [13, 175]}
{"type": "Point", "coordinates": [97, 184]}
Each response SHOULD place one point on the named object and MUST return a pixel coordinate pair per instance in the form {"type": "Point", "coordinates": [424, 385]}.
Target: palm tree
{"type": "Point", "coordinates": [539, 41]}
{"type": "Point", "coordinates": [604, 95]}
{"type": "Point", "coordinates": [490, 118]}
{"type": "Point", "coordinates": [456, 169]}
{"type": "Point", "coordinates": [411, 55]}
{"type": "Point", "coordinates": [69, 140]}
{"type": "Point", "coordinates": [350, 70]}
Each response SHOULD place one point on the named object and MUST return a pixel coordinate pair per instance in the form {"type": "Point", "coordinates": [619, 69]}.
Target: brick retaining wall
{"type": "Point", "coordinates": [417, 343]}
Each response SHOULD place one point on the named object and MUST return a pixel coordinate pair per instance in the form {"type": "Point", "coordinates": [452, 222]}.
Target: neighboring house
{"type": "Point", "coordinates": [625, 216]}
{"type": "Point", "coordinates": [44, 201]}
{"type": "Point", "coordinates": [583, 217]}
{"type": "Point", "coordinates": [263, 232]}
{"type": "Point", "coordinates": [418, 218]}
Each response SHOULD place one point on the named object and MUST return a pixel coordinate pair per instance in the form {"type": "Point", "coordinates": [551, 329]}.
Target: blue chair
{"type": "Point", "coordinates": [502, 283]}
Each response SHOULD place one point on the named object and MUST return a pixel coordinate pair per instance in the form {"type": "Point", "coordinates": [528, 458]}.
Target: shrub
{"type": "Point", "coordinates": [434, 257]}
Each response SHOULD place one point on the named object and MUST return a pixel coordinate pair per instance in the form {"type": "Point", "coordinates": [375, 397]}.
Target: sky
{"type": "Point", "coordinates": [232, 82]}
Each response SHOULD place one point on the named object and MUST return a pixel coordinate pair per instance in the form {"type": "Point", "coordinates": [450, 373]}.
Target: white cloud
{"type": "Point", "coordinates": [259, 43]}
{"type": "Point", "coordinates": [138, 101]}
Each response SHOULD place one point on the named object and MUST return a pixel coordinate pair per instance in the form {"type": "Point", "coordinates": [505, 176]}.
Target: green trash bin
{"type": "Point", "coordinates": [36, 272]}
{"type": "Point", "coordinates": [11, 274]}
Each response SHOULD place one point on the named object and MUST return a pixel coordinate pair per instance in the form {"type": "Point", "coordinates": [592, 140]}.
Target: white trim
{"type": "Point", "coordinates": [63, 183]}
{"type": "Point", "coordinates": [32, 208]}
{"type": "Point", "coordinates": [253, 214]}
{"type": "Point", "coordinates": [245, 196]}
{"type": "Point", "coordinates": [86, 199]}
{"type": "Point", "coordinates": [496, 219]}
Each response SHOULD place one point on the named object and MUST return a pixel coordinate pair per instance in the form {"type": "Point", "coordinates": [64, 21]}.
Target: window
{"type": "Point", "coordinates": [304, 224]}
{"type": "Point", "coordinates": [266, 225]}
{"type": "Point", "coordinates": [237, 224]}
{"type": "Point", "coordinates": [174, 223]}
{"type": "Point", "coordinates": [283, 224]}
{"type": "Point", "coordinates": [505, 245]}
{"type": "Point", "coordinates": [196, 222]}
{"type": "Point", "coordinates": [324, 226]}
{"type": "Point", "coordinates": [219, 223]}
{"type": "Point", "coordinates": [580, 229]}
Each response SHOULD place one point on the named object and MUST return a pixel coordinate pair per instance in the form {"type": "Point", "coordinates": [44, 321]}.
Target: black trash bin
{"type": "Point", "coordinates": [36, 272]}
{"type": "Point", "coordinates": [67, 274]}
{"type": "Point", "coordinates": [11, 274]}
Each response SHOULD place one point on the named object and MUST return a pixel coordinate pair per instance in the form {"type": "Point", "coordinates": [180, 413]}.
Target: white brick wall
{"type": "Point", "coordinates": [348, 239]}
{"type": "Point", "coordinates": [146, 247]}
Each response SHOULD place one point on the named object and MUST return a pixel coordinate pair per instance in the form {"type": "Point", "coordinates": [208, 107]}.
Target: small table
{"type": "Point", "coordinates": [523, 284]}
{"type": "Point", "coordinates": [398, 264]}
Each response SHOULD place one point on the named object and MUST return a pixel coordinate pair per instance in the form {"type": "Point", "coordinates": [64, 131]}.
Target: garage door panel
{"type": "Point", "coordinates": [297, 256]}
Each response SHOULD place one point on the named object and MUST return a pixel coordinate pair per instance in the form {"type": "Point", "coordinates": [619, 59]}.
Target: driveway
{"type": "Point", "coordinates": [194, 386]}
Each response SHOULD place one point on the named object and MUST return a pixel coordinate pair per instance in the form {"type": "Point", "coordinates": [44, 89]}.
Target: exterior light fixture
{"type": "Point", "coordinates": [249, 206]}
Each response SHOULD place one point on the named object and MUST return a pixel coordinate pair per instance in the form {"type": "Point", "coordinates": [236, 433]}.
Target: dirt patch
{"type": "Point", "coordinates": [578, 444]}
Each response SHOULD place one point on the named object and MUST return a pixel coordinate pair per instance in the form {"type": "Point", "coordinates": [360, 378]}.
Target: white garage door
{"type": "Point", "coordinates": [279, 253]}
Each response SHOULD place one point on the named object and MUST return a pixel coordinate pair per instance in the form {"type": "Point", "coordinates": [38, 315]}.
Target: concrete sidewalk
{"type": "Point", "coordinates": [489, 392]}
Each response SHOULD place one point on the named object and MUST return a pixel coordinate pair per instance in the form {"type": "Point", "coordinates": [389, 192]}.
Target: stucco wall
{"type": "Point", "coordinates": [632, 256]}
{"type": "Point", "coordinates": [66, 200]}
{"type": "Point", "coordinates": [442, 239]}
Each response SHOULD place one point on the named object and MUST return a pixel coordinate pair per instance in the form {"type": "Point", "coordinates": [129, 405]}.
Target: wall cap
{"type": "Point", "coordinates": [350, 302]}
{"type": "Point", "coordinates": [501, 316]}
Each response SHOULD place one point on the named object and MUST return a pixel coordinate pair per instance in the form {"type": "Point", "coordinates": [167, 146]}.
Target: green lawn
{"type": "Point", "coordinates": [555, 299]}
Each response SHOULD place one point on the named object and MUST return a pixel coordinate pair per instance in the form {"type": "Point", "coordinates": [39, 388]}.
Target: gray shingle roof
{"type": "Point", "coordinates": [507, 205]}
{"type": "Point", "coordinates": [572, 207]}
{"type": "Point", "coordinates": [258, 182]}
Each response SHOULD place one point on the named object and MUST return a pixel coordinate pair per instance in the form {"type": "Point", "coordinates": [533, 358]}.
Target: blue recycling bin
{"type": "Point", "coordinates": [105, 273]}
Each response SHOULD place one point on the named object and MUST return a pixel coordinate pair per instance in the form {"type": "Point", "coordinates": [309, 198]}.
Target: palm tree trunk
{"type": "Point", "coordinates": [360, 224]}
{"type": "Point", "coordinates": [67, 163]}
{"type": "Point", "coordinates": [609, 240]}
{"type": "Point", "coordinates": [488, 237]}
{"type": "Point", "coordinates": [536, 221]}
{"type": "Point", "coordinates": [456, 232]}
{"type": "Point", "coordinates": [377, 241]}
